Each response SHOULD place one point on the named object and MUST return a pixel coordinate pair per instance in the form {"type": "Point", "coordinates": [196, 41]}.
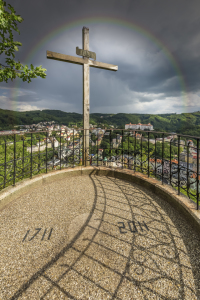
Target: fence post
{"type": "Point", "coordinates": [141, 154]}
{"type": "Point", "coordinates": [162, 157]}
{"type": "Point", "coordinates": [73, 149]}
{"type": "Point", "coordinates": [178, 165]}
{"type": "Point", "coordinates": [197, 174]}
{"type": "Point", "coordinates": [60, 149]}
{"type": "Point", "coordinates": [14, 159]}
{"type": "Point", "coordinates": [46, 150]}
{"type": "Point", "coordinates": [5, 166]}
{"type": "Point", "coordinates": [39, 155]}
{"type": "Point", "coordinates": [31, 154]}
{"type": "Point", "coordinates": [110, 144]}
{"type": "Point", "coordinates": [23, 158]}
{"type": "Point", "coordinates": [148, 154]}
{"type": "Point", "coordinates": [170, 163]}
{"type": "Point", "coordinates": [128, 149]}
{"type": "Point", "coordinates": [135, 153]}
{"type": "Point", "coordinates": [155, 156]}
{"type": "Point", "coordinates": [79, 148]}
{"type": "Point", "coordinates": [97, 148]}
{"type": "Point", "coordinates": [122, 150]}
{"type": "Point", "coordinates": [53, 151]}
{"type": "Point", "coordinates": [188, 167]}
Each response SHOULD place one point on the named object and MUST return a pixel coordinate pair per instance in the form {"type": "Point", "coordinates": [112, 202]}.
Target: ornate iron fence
{"type": "Point", "coordinates": [171, 158]}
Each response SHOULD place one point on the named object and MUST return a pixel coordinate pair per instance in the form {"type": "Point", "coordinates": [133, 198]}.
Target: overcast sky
{"type": "Point", "coordinates": [156, 45]}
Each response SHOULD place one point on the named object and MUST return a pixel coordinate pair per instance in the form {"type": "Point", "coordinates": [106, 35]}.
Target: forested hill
{"type": "Point", "coordinates": [185, 123]}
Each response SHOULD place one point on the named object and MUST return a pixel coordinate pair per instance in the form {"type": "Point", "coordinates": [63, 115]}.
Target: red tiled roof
{"type": "Point", "coordinates": [157, 160]}
{"type": "Point", "coordinates": [194, 176]}
{"type": "Point", "coordinates": [140, 124]}
{"type": "Point", "coordinates": [174, 161]}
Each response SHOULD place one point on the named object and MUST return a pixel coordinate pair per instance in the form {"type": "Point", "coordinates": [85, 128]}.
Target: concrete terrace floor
{"type": "Point", "coordinates": [96, 237]}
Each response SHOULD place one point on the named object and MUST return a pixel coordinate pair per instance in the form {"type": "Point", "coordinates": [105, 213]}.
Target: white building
{"type": "Point", "coordinates": [54, 142]}
{"type": "Point", "coordinates": [191, 144]}
{"type": "Point", "coordinates": [132, 126]}
{"type": "Point", "coordinates": [139, 126]}
{"type": "Point", "coordinates": [34, 148]}
{"type": "Point", "coordinates": [98, 131]}
{"type": "Point", "coordinates": [40, 143]}
{"type": "Point", "coordinates": [168, 138]}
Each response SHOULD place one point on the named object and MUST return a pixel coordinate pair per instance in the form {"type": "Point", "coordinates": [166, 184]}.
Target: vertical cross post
{"type": "Point", "coordinates": [86, 62]}
{"type": "Point", "coordinates": [86, 99]}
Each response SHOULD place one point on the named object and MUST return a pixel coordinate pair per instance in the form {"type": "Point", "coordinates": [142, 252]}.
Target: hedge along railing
{"type": "Point", "coordinates": [142, 151]}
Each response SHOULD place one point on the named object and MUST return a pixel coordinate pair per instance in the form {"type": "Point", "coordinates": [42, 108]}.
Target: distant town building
{"type": "Point", "coordinates": [98, 131]}
{"type": "Point", "coordinates": [139, 126]}
{"type": "Point", "coordinates": [184, 157]}
{"type": "Point", "coordinates": [138, 136]}
{"type": "Point", "coordinates": [173, 134]}
{"type": "Point", "coordinates": [115, 143]}
{"type": "Point", "coordinates": [190, 142]}
{"type": "Point", "coordinates": [182, 143]}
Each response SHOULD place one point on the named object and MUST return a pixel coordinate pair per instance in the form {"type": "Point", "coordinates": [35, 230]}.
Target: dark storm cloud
{"type": "Point", "coordinates": [158, 80]}
{"type": "Point", "coordinates": [27, 98]}
{"type": "Point", "coordinates": [146, 74]}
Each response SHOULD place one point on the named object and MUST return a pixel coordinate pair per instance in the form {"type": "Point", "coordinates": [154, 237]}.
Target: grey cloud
{"type": "Point", "coordinates": [144, 68]}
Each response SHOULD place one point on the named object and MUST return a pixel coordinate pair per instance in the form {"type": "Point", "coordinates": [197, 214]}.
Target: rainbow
{"type": "Point", "coordinates": [71, 24]}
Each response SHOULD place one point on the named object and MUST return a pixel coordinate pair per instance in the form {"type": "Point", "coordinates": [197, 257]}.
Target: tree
{"type": "Point", "coordinates": [8, 47]}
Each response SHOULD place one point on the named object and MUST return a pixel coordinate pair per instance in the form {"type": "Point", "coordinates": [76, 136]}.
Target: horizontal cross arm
{"type": "Point", "coordinates": [97, 64]}
{"type": "Point", "coordinates": [81, 61]}
{"type": "Point", "coordinates": [64, 57]}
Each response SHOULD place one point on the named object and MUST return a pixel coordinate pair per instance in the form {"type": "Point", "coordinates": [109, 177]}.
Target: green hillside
{"type": "Point", "coordinates": [185, 123]}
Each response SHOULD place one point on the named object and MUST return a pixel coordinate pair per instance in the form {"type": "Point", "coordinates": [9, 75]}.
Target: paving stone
{"type": "Point", "coordinates": [96, 237]}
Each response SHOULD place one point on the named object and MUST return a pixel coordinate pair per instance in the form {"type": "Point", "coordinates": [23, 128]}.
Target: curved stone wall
{"type": "Point", "coordinates": [167, 193]}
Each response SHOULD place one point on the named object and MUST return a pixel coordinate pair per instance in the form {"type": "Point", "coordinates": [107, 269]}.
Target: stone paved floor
{"type": "Point", "coordinates": [92, 237]}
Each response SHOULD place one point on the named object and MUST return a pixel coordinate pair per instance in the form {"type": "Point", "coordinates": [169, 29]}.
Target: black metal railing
{"type": "Point", "coordinates": [171, 158]}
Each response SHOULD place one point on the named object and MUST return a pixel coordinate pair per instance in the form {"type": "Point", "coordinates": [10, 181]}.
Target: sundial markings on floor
{"type": "Point", "coordinates": [38, 230]}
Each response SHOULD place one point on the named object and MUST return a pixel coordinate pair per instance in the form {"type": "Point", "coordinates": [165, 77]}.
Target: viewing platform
{"type": "Point", "coordinates": [98, 233]}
